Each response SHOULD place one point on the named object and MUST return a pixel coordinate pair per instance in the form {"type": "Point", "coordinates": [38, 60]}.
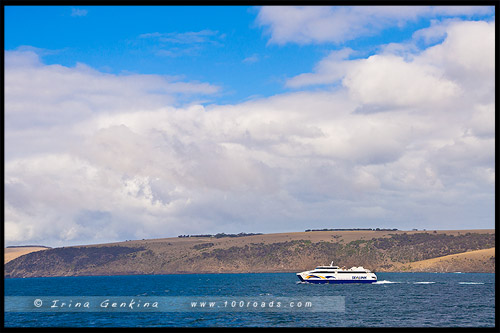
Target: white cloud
{"type": "Point", "coordinates": [433, 34]}
{"type": "Point", "coordinates": [79, 12]}
{"type": "Point", "coordinates": [190, 37]}
{"type": "Point", "coordinates": [482, 121]}
{"type": "Point", "coordinates": [176, 44]}
{"type": "Point", "coordinates": [389, 81]}
{"type": "Point", "coordinates": [251, 59]}
{"type": "Point", "coordinates": [54, 94]}
{"type": "Point", "coordinates": [112, 159]}
{"type": "Point", "coordinates": [329, 70]}
{"type": "Point", "coordinates": [467, 55]}
{"type": "Point", "coordinates": [318, 24]}
{"type": "Point", "coordinates": [400, 77]}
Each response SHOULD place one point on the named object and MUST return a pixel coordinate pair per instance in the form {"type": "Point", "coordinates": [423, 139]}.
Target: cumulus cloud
{"type": "Point", "coordinates": [398, 140]}
{"type": "Point", "coordinates": [329, 70]}
{"type": "Point", "coordinates": [49, 94]}
{"type": "Point", "coordinates": [400, 77]}
{"type": "Point", "coordinates": [396, 83]}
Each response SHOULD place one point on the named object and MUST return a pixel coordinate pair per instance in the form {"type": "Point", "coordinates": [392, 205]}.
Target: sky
{"type": "Point", "coordinates": [149, 122]}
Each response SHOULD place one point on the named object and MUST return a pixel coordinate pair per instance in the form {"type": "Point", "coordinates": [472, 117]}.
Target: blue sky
{"type": "Point", "coordinates": [151, 121]}
{"type": "Point", "coordinates": [218, 44]}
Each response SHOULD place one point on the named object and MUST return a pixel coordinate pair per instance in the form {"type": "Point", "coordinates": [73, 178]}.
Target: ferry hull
{"type": "Point", "coordinates": [331, 280]}
{"type": "Point", "coordinates": [338, 281]}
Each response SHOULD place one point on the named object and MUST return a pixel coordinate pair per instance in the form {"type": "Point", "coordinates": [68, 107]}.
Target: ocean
{"type": "Point", "coordinates": [251, 300]}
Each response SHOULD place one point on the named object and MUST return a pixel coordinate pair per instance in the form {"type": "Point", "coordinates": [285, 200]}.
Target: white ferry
{"type": "Point", "coordinates": [335, 274]}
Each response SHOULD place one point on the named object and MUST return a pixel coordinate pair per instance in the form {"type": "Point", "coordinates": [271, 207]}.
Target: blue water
{"type": "Point", "coordinates": [396, 300]}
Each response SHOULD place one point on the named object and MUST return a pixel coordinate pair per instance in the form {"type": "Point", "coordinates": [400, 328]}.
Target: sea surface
{"type": "Point", "coordinates": [251, 300]}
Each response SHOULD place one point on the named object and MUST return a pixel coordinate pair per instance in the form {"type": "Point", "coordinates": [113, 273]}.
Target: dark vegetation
{"type": "Point", "coordinates": [203, 246]}
{"type": "Point", "coordinates": [18, 246]}
{"type": "Point", "coordinates": [401, 248]}
{"type": "Point", "coordinates": [221, 235]}
{"type": "Point", "coordinates": [352, 229]}
{"type": "Point", "coordinates": [421, 246]}
{"type": "Point", "coordinates": [70, 259]}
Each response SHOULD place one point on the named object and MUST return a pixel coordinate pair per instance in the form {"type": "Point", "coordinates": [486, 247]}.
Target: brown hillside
{"type": "Point", "coordinates": [471, 261]}
{"type": "Point", "coordinates": [283, 252]}
{"type": "Point", "coordinates": [14, 252]}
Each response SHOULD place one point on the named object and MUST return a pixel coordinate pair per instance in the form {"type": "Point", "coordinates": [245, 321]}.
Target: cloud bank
{"type": "Point", "coordinates": [399, 139]}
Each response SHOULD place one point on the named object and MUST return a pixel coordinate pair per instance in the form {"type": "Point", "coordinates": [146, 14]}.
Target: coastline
{"type": "Point", "coordinates": [379, 251]}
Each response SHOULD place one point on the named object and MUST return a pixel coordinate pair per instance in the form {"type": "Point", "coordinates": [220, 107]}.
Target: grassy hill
{"type": "Point", "coordinates": [12, 253]}
{"type": "Point", "coordinates": [285, 252]}
{"type": "Point", "coordinates": [472, 261]}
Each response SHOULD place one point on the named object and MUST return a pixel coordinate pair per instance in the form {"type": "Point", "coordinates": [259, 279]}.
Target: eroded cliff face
{"type": "Point", "coordinates": [396, 251]}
